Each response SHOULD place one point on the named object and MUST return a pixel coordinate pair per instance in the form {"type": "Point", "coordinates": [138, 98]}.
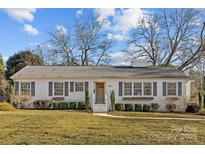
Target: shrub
{"type": "Point", "coordinates": [128, 107]}
{"type": "Point", "coordinates": [42, 104]}
{"type": "Point", "coordinates": [138, 107]}
{"type": "Point", "coordinates": [63, 105]}
{"type": "Point", "coordinates": [81, 105]}
{"type": "Point", "coordinates": [6, 107]}
{"type": "Point", "coordinates": [56, 105]}
{"type": "Point", "coordinates": [193, 108]}
{"type": "Point", "coordinates": [87, 99]}
{"type": "Point", "coordinates": [112, 98]}
{"type": "Point", "coordinates": [154, 107]}
{"type": "Point", "coordinates": [146, 108]}
{"type": "Point", "coordinates": [73, 105]}
{"type": "Point", "coordinates": [171, 107]}
{"type": "Point", "coordinates": [119, 107]}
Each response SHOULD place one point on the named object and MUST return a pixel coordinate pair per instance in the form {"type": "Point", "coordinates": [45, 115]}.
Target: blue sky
{"type": "Point", "coordinates": [23, 28]}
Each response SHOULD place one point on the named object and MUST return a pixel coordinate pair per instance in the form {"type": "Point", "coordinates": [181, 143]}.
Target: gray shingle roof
{"type": "Point", "coordinates": [97, 72]}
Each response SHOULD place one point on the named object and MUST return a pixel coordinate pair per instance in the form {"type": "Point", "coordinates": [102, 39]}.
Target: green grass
{"type": "Point", "coordinates": [73, 127]}
{"type": "Point", "coordinates": [158, 114]}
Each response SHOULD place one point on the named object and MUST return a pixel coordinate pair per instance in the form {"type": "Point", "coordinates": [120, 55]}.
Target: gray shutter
{"type": "Point", "coordinates": [32, 88]}
{"type": "Point", "coordinates": [71, 86]}
{"type": "Point", "coordinates": [179, 88]}
{"type": "Point", "coordinates": [164, 89]}
{"type": "Point", "coordinates": [66, 88]}
{"type": "Point", "coordinates": [16, 88]}
{"type": "Point", "coordinates": [86, 85]}
{"type": "Point", "coordinates": [154, 88]}
{"type": "Point", "coordinates": [120, 88]}
{"type": "Point", "coordinates": [50, 89]}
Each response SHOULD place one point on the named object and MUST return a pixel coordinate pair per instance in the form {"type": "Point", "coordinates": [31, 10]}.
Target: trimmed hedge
{"type": "Point", "coordinates": [146, 108]}
{"type": "Point", "coordinates": [119, 107]}
{"type": "Point", "coordinates": [138, 107]}
{"type": "Point", "coordinates": [63, 105]}
{"type": "Point", "coordinates": [128, 107]}
{"type": "Point", "coordinates": [6, 107]}
{"type": "Point", "coordinates": [81, 105]}
{"type": "Point", "coordinates": [193, 108]}
{"type": "Point", "coordinates": [73, 105]}
{"type": "Point", "coordinates": [42, 104]}
{"type": "Point", "coordinates": [56, 105]}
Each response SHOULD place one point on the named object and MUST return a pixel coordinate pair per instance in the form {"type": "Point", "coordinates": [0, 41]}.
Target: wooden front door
{"type": "Point", "coordinates": [100, 93]}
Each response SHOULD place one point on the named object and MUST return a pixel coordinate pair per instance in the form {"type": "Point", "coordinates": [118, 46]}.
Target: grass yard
{"type": "Point", "coordinates": [74, 127]}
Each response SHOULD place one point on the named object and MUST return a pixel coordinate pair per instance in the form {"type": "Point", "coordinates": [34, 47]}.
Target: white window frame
{"type": "Point", "coordinates": [82, 87]}
{"type": "Point", "coordinates": [167, 89]}
{"type": "Point", "coordinates": [54, 89]}
{"type": "Point", "coordinates": [151, 89]}
{"type": "Point", "coordinates": [21, 88]}
{"type": "Point", "coordinates": [124, 89]}
{"type": "Point", "coordinates": [134, 89]}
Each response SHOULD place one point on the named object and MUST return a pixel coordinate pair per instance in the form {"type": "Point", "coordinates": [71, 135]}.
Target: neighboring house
{"type": "Point", "coordinates": [136, 85]}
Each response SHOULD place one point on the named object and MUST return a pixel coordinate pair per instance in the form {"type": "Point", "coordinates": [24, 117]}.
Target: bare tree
{"type": "Point", "coordinates": [170, 37]}
{"type": "Point", "coordinates": [92, 41]}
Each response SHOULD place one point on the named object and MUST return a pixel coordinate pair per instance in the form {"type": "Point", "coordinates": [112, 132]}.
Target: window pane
{"type": "Point", "coordinates": [58, 88]}
{"type": "Point", "coordinates": [25, 88]}
{"type": "Point", "coordinates": [127, 88]}
{"type": "Point", "coordinates": [171, 89]}
{"type": "Point", "coordinates": [79, 86]}
{"type": "Point", "coordinates": [138, 89]}
{"type": "Point", "coordinates": [147, 88]}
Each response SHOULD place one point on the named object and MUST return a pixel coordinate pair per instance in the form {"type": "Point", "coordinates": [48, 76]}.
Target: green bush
{"type": "Point", "coordinates": [112, 99]}
{"type": "Point", "coordinates": [81, 105]}
{"type": "Point", "coordinates": [63, 105]}
{"type": "Point", "coordinates": [73, 105]}
{"type": "Point", "coordinates": [138, 107]}
{"type": "Point", "coordinates": [146, 108]}
{"type": "Point", "coordinates": [56, 105]}
{"type": "Point", "coordinates": [128, 107]}
{"type": "Point", "coordinates": [6, 107]}
{"type": "Point", "coordinates": [119, 107]}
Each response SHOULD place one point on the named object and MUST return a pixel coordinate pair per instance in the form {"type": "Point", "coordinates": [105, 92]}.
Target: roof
{"type": "Point", "coordinates": [98, 72]}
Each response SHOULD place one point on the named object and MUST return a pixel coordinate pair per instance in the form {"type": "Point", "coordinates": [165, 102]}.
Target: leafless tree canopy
{"type": "Point", "coordinates": [84, 44]}
{"type": "Point", "coordinates": [169, 37]}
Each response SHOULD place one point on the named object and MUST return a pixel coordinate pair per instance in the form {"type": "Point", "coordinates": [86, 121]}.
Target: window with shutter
{"type": "Point", "coordinates": [66, 88]}
{"type": "Point", "coordinates": [32, 88]}
{"type": "Point", "coordinates": [120, 89]}
{"type": "Point", "coordinates": [179, 88]}
{"type": "Point", "coordinates": [50, 89]}
{"type": "Point", "coordinates": [164, 89]}
{"type": "Point", "coordinates": [16, 88]}
{"type": "Point", "coordinates": [154, 88]}
{"type": "Point", "coordinates": [71, 86]}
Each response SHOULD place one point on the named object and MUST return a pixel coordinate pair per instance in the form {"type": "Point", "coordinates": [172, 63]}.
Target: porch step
{"type": "Point", "coordinates": [100, 108]}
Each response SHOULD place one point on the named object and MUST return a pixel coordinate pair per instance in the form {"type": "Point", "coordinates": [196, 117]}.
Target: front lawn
{"type": "Point", "coordinates": [74, 127]}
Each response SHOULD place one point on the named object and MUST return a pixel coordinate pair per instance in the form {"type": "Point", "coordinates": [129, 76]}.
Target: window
{"type": "Point", "coordinates": [171, 89]}
{"type": "Point", "coordinates": [79, 86]}
{"type": "Point", "coordinates": [128, 88]}
{"type": "Point", "coordinates": [138, 89]}
{"type": "Point", "coordinates": [147, 88]}
{"type": "Point", "coordinates": [25, 88]}
{"type": "Point", "coordinates": [58, 88]}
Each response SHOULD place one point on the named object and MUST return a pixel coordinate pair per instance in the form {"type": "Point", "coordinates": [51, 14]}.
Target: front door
{"type": "Point", "coordinates": [100, 93]}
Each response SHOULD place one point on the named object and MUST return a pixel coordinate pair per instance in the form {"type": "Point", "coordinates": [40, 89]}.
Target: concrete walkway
{"type": "Point", "coordinates": [146, 118]}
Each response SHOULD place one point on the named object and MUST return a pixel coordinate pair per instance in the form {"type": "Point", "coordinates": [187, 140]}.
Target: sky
{"type": "Point", "coordinates": [24, 28]}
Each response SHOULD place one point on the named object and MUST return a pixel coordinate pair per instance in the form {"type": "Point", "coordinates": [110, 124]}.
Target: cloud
{"type": "Point", "coordinates": [118, 59]}
{"type": "Point", "coordinates": [104, 13]}
{"type": "Point", "coordinates": [117, 37]}
{"type": "Point", "coordinates": [61, 29]}
{"type": "Point", "coordinates": [120, 21]}
{"type": "Point", "coordinates": [79, 13]}
{"type": "Point", "coordinates": [21, 15]}
{"type": "Point", "coordinates": [30, 29]}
